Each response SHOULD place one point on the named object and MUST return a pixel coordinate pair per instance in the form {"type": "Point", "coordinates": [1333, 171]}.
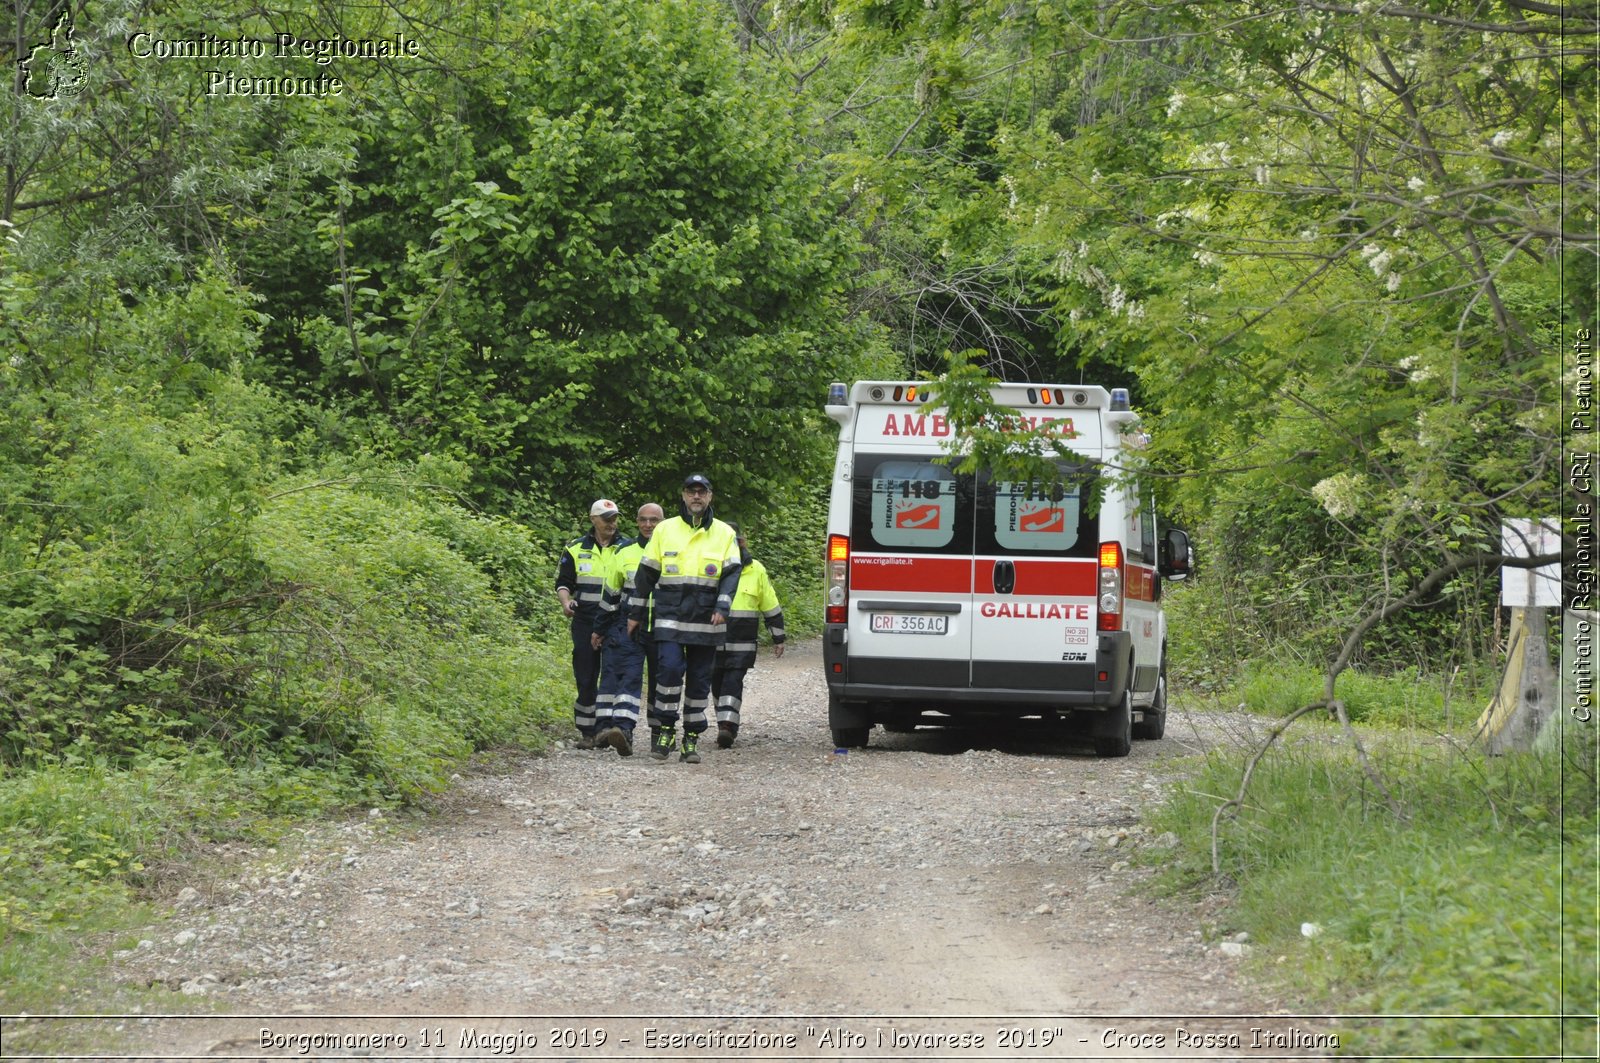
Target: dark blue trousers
{"type": "Point", "coordinates": [727, 687]}
{"type": "Point", "coordinates": [586, 675]}
{"type": "Point", "coordinates": [686, 676]}
{"type": "Point", "coordinates": [621, 672]}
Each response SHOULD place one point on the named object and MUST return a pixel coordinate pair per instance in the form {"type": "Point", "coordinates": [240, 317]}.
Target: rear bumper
{"type": "Point", "coordinates": [993, 686]}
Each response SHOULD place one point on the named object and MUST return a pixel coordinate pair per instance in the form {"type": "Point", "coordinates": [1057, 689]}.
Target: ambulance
{"type": "Point", "coordinates": [955, 599]}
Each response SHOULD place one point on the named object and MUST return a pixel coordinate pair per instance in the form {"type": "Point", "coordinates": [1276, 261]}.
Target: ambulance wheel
{"type": "Point", "coordinates": [1154, 724]}
{"type": "Point", "coordinates": [1114, 736]}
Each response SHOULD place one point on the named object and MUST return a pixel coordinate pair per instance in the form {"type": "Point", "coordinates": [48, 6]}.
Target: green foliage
{"type": "Point", "coordinates": [192, 635]}
{"type": "Point", "coordinates": [578, 266]}
{"type": "Point", "coordinates": [78, 835]}
{"type": "Point", "coordinates": [395, 652]}
{"type": "Point", "coordinates": [1401, 699]}
{"type": "Point", "coordinates": [1480, 902]}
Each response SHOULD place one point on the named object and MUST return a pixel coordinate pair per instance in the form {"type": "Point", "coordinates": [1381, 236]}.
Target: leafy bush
{"type": "Point", "coordinates": [395, 650]}
{"type": "Point", "coordinates": [192, 636]}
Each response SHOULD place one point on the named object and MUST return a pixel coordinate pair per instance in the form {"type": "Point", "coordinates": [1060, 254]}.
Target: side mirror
{"type": "Point", "coordinates": [1176, 555]}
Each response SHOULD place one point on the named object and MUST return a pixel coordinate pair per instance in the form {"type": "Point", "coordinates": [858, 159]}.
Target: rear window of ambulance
{"type": "Point", "coordinates": [1055, 520]}
{"type": "Point", "coordinates": [907, 504]}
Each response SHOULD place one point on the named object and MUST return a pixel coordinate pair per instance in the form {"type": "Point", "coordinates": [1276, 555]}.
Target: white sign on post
{"type": "Point", "coordinates": [1530, 588]}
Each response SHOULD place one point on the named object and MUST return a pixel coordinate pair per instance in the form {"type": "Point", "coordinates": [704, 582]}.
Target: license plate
{"type": "Point", "coordinates": [909, 623]}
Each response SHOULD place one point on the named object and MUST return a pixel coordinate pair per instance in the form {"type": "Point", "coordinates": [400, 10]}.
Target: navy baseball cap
{"type": "Point", "coordinates": [696, 479]}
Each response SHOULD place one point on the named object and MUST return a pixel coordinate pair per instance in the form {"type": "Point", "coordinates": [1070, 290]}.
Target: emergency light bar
{"type": "Point", "coordinates": [914, 393]}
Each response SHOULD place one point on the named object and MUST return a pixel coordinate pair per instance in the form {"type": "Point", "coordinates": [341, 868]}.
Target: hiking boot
{"type": "Point", "coordinates": [662, 739]}
{"type": "Point", "coordinates": [725, 734]}
{"type": "Point", "coordinates": [585, 742]}
{"type": "Point", "coordinates": [617, 739]}
{"type": "Point", "coordinates": [690, 754]}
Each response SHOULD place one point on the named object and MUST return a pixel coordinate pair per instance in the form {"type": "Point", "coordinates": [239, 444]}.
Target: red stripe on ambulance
{"type": "Point", "coordinates": [1058, 579]}
{"type": "Point", "coordinates": [938, 575]}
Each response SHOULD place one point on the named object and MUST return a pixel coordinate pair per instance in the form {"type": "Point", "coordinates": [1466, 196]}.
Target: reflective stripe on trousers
{"type": "Point", "coordinates": [685, 674]}
{"type": "Point", "coordinates": [727, 686]}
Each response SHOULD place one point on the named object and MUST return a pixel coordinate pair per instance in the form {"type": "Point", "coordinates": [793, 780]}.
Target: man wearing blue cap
{"type": "Point", "coordinates": [692, 568]}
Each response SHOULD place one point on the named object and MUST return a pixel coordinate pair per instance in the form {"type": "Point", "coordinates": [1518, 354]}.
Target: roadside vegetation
{"type": "Point", "coordinates": [1475, 904]}
{"type": "Point", "coordinates": [299, 400]}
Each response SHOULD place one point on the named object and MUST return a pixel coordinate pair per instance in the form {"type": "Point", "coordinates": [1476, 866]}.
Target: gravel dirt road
{"type": "Point", "coordinates": [934, 896]}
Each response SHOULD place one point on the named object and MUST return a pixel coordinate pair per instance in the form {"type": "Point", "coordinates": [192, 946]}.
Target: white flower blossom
{"type": "Point", "coordinates": [1392, 282]}
{"type": "Point", "coordinates": [1263, 174]}
{"type": "Point", "coordinates": [1341, 494]}
{"type": "Point", "coordinates": [1175, 103]}
{"type": "Point", "coordinates": [1205, 258]}
{"type": "Point", "coordinates": [1501, 139]}
{"type": "Point", "coordinates": [1416, 184]}
{"type": "Point", "coordinates": [1095, 178]}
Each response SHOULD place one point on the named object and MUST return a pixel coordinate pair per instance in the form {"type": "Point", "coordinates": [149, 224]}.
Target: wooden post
{"type": "Point", "coordinates": [1528, 689]}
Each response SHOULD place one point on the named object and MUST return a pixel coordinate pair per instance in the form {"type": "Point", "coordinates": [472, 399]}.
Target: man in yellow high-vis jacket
{"type": "Point", "coordinates": [754, 600]}
{"type": "Point", "coordinates": [692, 568]}
{"type": "Point", "coordinates": [585, 564]}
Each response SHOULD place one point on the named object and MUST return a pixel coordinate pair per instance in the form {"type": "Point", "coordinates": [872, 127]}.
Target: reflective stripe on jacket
{"type": "Point", "coordinates": [619, 594]}
{"type": "Point", "coordinates": [754, 599]}
{"type": "Point", "coordinates": [693, 571]}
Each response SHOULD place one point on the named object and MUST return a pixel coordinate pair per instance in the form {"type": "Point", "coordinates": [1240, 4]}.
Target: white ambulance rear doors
{"type": "Point", "coordinates": [1035, 567]}
{"type": "Point", "coordinates": [911, 527]}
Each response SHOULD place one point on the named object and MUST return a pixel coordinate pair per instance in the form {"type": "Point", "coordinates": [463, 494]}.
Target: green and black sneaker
{"type": "Point", "coordinates": [690, 754]}
{"type": "Point", "coordinates": [662, 739]}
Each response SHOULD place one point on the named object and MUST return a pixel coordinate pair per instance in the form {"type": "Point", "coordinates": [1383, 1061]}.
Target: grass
{"type": "Point", "coordinates": [1474, 895]}
{"type": "Point", "coordinates": [1400, 699]}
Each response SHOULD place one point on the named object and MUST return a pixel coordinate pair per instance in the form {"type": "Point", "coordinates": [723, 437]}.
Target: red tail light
{"type": "Point", "coordinates": [838, 592]}
{"type": "Point", "coordinates": [1108, 600]}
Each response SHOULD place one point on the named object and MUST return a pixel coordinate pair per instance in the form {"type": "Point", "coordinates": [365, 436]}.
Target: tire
{"type": "Point", "coordinates": [1114, 735]}
{"type": "Point", "coordinates": [1154, 724]}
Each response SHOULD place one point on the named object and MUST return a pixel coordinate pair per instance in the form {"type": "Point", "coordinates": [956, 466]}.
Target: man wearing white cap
{"type": "Point", "coordinates": [585, 565]}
